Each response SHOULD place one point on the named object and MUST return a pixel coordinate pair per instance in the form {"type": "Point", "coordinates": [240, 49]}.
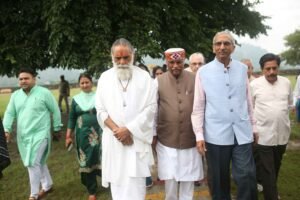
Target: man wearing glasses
{"type": "Point", "coordinates": [223, 123]}
{"type": "Point", "coordinates": [196, 61]}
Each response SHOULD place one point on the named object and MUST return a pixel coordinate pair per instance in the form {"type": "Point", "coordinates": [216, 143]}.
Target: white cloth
{"type": "Point", "coordinates": [271, 104]}
{"type": "Point", "coordinates": [297, 90]}
{"type": "Point", "coordinates": [179, 164]}
{"type": "Point", "coordinates": [188, 69]}
{"type": "Point", "coordinates": [133, 109]}
{"type": "Point", "coordinates": [133, 189]}
{"type": "Point", "coordinates": [39, 173]}
{"type": "Point", "coordinates": [186, 190]}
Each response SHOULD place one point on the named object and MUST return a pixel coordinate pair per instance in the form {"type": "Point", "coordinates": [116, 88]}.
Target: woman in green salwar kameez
{"type": "Point", "coordinates": [83, 122]}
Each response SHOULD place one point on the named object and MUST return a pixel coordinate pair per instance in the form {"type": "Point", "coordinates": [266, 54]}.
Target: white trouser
{"type": "Point", "coordinates": [134, 189]}
{"type": "Point", "coordinates": [186, 190]}
{"type": "Point", "coordinates": [39, 174]}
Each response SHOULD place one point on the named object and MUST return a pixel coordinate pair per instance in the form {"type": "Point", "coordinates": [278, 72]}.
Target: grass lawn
{"type": "Point", "coordinates": [64, 170]}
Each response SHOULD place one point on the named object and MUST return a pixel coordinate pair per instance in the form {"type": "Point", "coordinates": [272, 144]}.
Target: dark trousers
{"type": "Point", "coordinates": [269, 159]}
{"type": "Point", "coordinates": [218, 159]}
{"type": "Point", "coordinates": [4, 156]}
{"type": "Point", "coordinates": [89, 180]}
{"type": "Point", "coordinates": [65, 98]}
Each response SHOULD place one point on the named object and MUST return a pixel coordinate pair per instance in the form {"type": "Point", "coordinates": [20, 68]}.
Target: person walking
{"type": "Point", "coordinates": [126, 103]}
{"type": "Point", "coordinates": [83, 123]}
{"type": "Point", "coordinates": [32, 106]}
{"type": "Point", "coordinates": [223, 122]}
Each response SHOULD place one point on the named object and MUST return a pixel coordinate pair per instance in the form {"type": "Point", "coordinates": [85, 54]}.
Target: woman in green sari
{"type": "Point", "coordinates": [83, 123]}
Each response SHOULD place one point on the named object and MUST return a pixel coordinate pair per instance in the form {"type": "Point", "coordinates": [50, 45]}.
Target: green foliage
{"type": "Point", "coordinates": [292, 55]}
{"type": "Point", "coordinates": [78, 34]}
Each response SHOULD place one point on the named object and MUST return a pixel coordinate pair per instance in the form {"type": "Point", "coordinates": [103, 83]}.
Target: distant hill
{"type": "Point", "coordinates": [51, 76]}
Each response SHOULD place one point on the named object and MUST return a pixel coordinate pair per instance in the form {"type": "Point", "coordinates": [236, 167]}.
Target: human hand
{"type": "Point", "coordinates": [154, 143]}
{"type": "Point", "coordinates": [7, 135]}
{"type": "Point", "coordinates": [123, 135]}
{"type": "Point", "coordinates": [68, 141]}
{"type": "Point", "coordinates": [201, 147]}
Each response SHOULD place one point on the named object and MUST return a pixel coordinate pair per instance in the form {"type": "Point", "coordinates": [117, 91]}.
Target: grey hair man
{"type": "Point", "coordinates": [126, 104]}
{"type": "Point", "coordinates": [223, 123]}
{"type": "Point", "coordinates": [196, 60]}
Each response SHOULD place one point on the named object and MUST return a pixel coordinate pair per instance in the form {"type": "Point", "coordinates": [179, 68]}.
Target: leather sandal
{"type": "Point", "coordinates": [44, 193]}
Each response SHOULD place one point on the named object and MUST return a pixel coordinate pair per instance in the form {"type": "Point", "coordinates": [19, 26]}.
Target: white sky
{"type": "Point", "coordinates": [284, 20]}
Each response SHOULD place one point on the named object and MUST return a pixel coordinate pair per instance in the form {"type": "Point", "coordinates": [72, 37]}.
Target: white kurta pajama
{"type": "Point", "coordinates": [135, 110]}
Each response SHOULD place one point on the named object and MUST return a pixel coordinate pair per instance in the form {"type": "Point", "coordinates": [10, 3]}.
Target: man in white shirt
{"type": "Point", "coordinates": [196, 60]}
{"type": "Point", "coordinates": [126, 104]}
{"type": "Point", "coordinates": [272, 98]}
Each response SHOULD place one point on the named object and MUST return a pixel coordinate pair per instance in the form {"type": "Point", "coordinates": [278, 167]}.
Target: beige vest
{"type": "Point", "coordinates": [175, 105]}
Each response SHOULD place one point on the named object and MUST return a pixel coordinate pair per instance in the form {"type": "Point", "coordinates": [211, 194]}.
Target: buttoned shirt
{"type": "Point", "coordinates": [32, 111]}
{"type": "Point", "coordinates": [271, 110]}
{"type": "Point", "coordinates": [222, 108]}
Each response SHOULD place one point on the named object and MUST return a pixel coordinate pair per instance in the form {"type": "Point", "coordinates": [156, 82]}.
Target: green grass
{"type": "Point", "coordinates": [63, 167]}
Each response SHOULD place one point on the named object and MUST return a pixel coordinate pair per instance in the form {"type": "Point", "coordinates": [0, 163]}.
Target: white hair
{"type": "Point", "coordinates": [124, 72]}
{"type": "Point", "coordinates": [197, 54]}
{"type": "Point", "coordinates": [226, 32]}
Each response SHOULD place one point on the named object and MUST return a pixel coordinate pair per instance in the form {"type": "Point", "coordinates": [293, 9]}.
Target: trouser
{"type": "Point", "coordinates": [134, 189]}
{"type": "Point", "coordinates": [39, 173]}
{"type": "Point", "coordinates": [4, 156]}
{"type": "Point", "coordinates": [89, 180]}
{"type": "Point", "coordinates": [243, 171]}
{"type": "Point", "coordinates": [186, 190]}
{"type": "Point", "coordinates": [65, 98]}
{"type": "Point", "coordinates": [269, 158]}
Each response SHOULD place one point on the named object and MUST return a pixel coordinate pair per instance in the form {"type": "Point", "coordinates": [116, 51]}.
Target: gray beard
{"type": "Point", "coordinates": [124, 72]}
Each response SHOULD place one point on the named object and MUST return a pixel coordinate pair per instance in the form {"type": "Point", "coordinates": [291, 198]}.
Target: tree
{"type": "Point", "coordinates": [292, 55]}
{"type": "Point", "coordinates": [79, 34]}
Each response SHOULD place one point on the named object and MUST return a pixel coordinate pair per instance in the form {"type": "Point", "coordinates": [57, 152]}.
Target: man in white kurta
{"type": "Point", "coordinates": [125, 103]}
{"type": "Point", "coordinates": [272, 97]}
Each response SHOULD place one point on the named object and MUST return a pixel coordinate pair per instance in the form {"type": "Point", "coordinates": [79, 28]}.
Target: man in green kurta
{"type": "Point", "coordinates": [32, 105]}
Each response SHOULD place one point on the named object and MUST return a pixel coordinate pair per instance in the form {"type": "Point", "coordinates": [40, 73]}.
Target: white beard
{"type": "Point", "coordinates": [124, 72]}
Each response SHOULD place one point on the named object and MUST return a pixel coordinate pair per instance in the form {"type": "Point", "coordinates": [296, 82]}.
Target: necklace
{"type": "Point", "coordinates": [124, 87]}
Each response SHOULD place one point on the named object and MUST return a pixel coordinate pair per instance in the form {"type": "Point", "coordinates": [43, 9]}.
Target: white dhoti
{"type": "Point", "coordinates": [179, 165]}
{"type": "Point", "coordinates": [132, 189]}
{"type": "Point", "coordinates": [39, 173]}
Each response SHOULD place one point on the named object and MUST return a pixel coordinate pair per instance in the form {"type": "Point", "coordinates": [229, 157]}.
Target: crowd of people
{"type": "Point", "coordinates": [216, 111]}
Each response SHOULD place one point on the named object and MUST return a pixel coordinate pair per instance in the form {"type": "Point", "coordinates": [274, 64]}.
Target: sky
{"type": "Point", "coordinates": [284, 20]}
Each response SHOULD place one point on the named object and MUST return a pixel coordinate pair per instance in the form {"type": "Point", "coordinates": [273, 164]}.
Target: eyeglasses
{"type": "Point", "coordinates": [194, 64]}
{"type": "Point", "coordinates": [225, 43]}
